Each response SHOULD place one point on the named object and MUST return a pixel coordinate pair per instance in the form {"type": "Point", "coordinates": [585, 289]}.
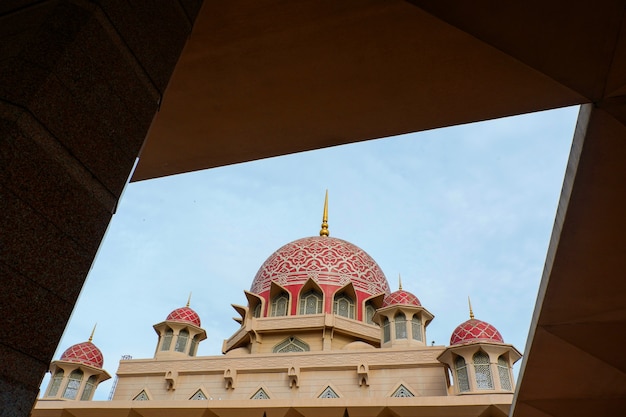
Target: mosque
{"type": "Point", "coordinates": [322, 334]}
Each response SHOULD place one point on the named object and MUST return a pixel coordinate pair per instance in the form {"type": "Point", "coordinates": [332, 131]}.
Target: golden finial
{"type": "Point", "coordinates": [324, 231]}
{"type": "Point", "coordinates": [399, 282]}
{"type": "Point", "coordinates": [189, 299]}
{"type": "Point", "coordinates": [470, 308]}
{"type": "Point", "coordinates": [92, 332]}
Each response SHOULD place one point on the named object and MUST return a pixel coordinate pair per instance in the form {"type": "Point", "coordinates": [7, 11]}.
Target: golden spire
{"type": "Point", "coordinates": [92, 332]}
{"type": "Point", "coordinates": [470, 308]}
{"type": "Point", "coordinates": [324, 231]}
{"type": "Point", "coordinates": [189, 299]}
{"type": "Point", "coordinates": [399, 282]}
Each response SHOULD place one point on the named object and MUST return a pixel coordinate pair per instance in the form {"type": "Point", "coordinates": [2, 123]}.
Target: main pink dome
{"type": "Point", "coordinates": [401, 297]}
{"type": "Point", "coordinates": [326, 260]}
{"type": "Point", "coordinates": [184, 314]}
{"type": "Point", "coordinates": [86, 353]}
{"type": "Point", "coordinates": [475, 331]}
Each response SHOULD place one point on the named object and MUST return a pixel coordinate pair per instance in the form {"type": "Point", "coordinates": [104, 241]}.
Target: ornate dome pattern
{"type": "Point", "coordinates": [401, 297]}
{"type": "Point", "coordinates": [326, 260]}
{"type": "Point", "coordinates": [475, 331]}
{"type": "Point", "coordinates": [86, 353]}
{"type": "Point", "coordinates": [184, 314]}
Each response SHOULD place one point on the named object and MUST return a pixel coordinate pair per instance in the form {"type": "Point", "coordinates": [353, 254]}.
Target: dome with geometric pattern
{"type": "Point", "coordinates": [326, 260]}
{"type": "Point", "coordinates": [474, 330]}
{"type": "Point", "coordinates": [185, 315]}
{"type": "Point", "coordinates": [401, 297]}
{"type": "Point", "coordinates": [85, 353]}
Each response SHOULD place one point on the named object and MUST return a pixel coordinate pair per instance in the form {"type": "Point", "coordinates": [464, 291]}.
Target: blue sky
{"type": "Point", "coordinates": [466, 210]}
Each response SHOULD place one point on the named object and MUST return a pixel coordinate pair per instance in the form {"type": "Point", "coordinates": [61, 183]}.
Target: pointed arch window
{"type": "Point", "coordinates": [89, 387]}
{"type": "Point", "coordinates": [462, 380]}
{"type": "Point", "coordinates": [257, 311]}
{"type": "Point", "coordinates": [73, 384]}
{"type": "Point", "coordinates": [344, 306]}
{"type": "Point", "coordinates": [311, 303]}
{"type": "Point", "coordinates": [181, 342]}
{"type": "Point", "coordinates": [369, 313]}
{"type": "Point", "coordinates": [386, 330]}
{"type": "Point", "coordinates": [416, 328]}
{"type": "Point", "coordinates": [291, 344]}
{"type": "Point", "coordinates": [280, 304]}
{"type": "Point", "coordinates": [328, 393]}
{"type": "Point", "coordinates": [198, 395]}
{"type": "Point", "coordinates": [402, 392]}
{"type": "Point", "coordinates": [504, 373]}
{"type": "Point", "coordinates": [56, 383]}
{"type": "Point", "coordinates": [400, 321]}
{"type": "Point", "coordinates": [483, 371]}
{"type": "Point", "coordinates": [193, 347]}
{"type": "Point", "coordinates": [167, 339]}
{"type": "Point", "coordinates": [142, 396]}
{"type": "Point", "coordinates": [260, 395]}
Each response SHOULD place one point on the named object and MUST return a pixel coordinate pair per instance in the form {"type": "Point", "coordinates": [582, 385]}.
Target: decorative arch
{"type": "Point", "coordinates": [279, 301]}
{"type": "Point", "coordinates": [311, 300]}
{"type": "Point", "coordinates": [255, 304]}
{"type": "Point", "coordinates": [73, 384]}
{"type": "Point", "coordinates": [344, 302]}
{"type": "Point", "coordinates": [482, 370]}
{"type": "Point", "coordinates": [291, 344]}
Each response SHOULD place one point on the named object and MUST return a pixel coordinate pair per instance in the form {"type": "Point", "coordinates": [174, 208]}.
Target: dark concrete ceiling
{"type": "Point", "coordinates": [269, 77]}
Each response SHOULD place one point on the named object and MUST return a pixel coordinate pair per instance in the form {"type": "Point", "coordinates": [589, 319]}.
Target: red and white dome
{"type": "Point", "coordinates": [475, 331]}
{"type": "Point", "coordinates": [85, 353]}
{"type": "Point", "coordinates": [332, 263]}
{"type": "Point", "coordinates": [401, 297]}
{"type": "Point", "coordinates": [185, 315]}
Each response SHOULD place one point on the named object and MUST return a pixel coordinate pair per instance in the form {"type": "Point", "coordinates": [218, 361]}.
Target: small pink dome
{"type": "Point", "coordinates": [475, 331]}
{"type": "Point", "coordinates": [86, 353]}
{"type": "Point", "coordinates": [401, 297]}
{"type": "Point", "coordinates": [184, 314]}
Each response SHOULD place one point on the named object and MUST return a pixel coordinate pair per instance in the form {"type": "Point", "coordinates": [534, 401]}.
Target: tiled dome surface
{"type": "Point", "coordinates": [327, 260]}
{"type": "Point", "coordinates": [184, 314]}
{"type": "Point", "coordinates": [475, 331]}
{"type": "Point", "coordinates": [86, 353]}
{"type": "Point", "coordinates": [401, 297]}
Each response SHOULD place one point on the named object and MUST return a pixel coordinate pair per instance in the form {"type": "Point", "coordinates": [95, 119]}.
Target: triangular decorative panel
{"type": "Point", "coordinates": [402, 391]}
{"type": "Point", "coordinates": [328, 393]}
{"type": "Point", "coordinates": [199, 395]}
{"type": "Point", "coordinates": [142, 396]}
{"type": "Point", "coordinates": [260, 395]}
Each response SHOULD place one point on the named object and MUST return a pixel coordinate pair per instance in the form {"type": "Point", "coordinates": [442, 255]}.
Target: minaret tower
{"type": "Point", "coordinates": [77, 374]}
{"type": "Point", "coordinates": [479, 359]}
{"type": "Point", "coordinates": [402, 319]}
{"type": "Point", "coordinates": [180, 333]}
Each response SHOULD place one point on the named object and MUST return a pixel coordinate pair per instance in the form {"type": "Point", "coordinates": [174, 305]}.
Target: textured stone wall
{"type": "Point", "coordinates": [80, 82]}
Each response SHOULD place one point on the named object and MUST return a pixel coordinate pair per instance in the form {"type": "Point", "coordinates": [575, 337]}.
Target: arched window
{"type": "Point", "coordinates": [279, 305]}
{"type": "Point", "coordinates": [386, 330]}
{"type": "Point", "coordinates": [73, 384]}
{"type": "Point", "coordinates": [56, 383]}
{"type": "Point", "coordinates": [311, 303]}
{"type": "Point", "coordinates": [462, 380]}
{"type": "Point", "coordinates": [167, 339]}
{"type": "Point", "coordinates": [369, 313]}
{"type": "Point", "coordinates": [416, 328]}
{"type": "Point", "coordinates": [483, 371]}
{"type": "Point", "coordinates": [291, 344]}
{"type": "Point", "coordinates": [89, 386]}
{"type": "Point", "coordinates": [504, 373]}
{"type": "Point", "coordinates": [400, 320]}
{"type": "Point", "coordinates": [181, 342]}
{"type": "Point", "coordinates": [194, 345]}
{"type": "Point", "coordinates": [344, 306]}
{"type": "Point", "coordinates": [257, 311]}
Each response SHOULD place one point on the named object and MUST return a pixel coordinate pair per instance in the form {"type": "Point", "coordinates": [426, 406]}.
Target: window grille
{"type": "Point", "coordinates": [260, 395]}
{"type": "Point", "coordinates": [142, 396]}
{"type": "Point", "coordinates": [73, 384]}
{"type": "Point", "coordinates": [344, 306]}
{"type": "Point", "coordinates": [416, 328]}
{"type": "Point", "coordinates": [56, 383]}
{"type": "Point", "coordinates": [291, 344]}
{"type": "Point", "coordinates": [400, 320]}
{"type": "Point", "coordinates": [89, 386]}
{"type": "Point", "coordinates": [504, 373]}
{"type": "Point", "coordinates": [199, 395]}
{"type": "Point", "coordinates": [311, 303]}
{"type": "Point", "coordinates": [483, 371]}
{"type": "Point", "coordinates": [369, 313]}
{"type": "Point", "coordinates": [402, 391]}
{"type": "Point", "coordinates": [279, 305]}
{"type": "Point", "coordinates": [462, 380]}
{"type": "Point", "coordinates": [328, 393]}
{"type": "Point", "coordinates": [181, 342]}
{"type": "Point", "coordinates": [386, 330]}
{"type": "Point", "coordinates": [167, 339]}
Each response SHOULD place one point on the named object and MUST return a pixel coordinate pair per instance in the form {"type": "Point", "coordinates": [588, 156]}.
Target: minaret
{"type": "Point", "coordinates": [180, 333]}
{"type": "Point", "coordinates": [479, 359]}
{"type": "Point", "coordinates": [77, 374]}
{"type": "Point", "coordinates": [402, 319]}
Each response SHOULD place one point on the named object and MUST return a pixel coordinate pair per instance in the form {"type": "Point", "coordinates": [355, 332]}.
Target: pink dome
{"type": "Point", "coordinates": [475, 331]}
{"type": "Point", "coordinates": [184, 314]}
{"type": "Point", "coordinates": [401, 297]}
{"type": "Point", "coordinates": [86, 353]}
{"type": "Point", "coordinates": [327, 260]}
